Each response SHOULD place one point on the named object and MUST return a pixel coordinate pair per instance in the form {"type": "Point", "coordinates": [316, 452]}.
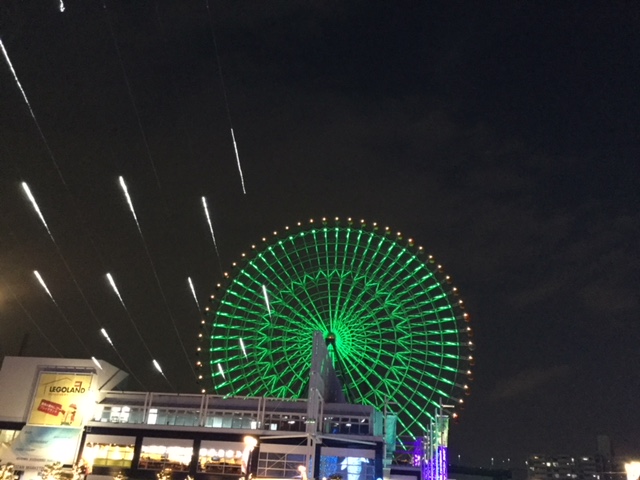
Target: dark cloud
{"type": "Point", "coordinates": [528, 381]}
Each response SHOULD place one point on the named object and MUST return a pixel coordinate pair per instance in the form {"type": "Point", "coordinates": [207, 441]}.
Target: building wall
{"type": "Point", "coordinates": [19, 375]}
{"type": "Point", "coordinates": [140, 433]}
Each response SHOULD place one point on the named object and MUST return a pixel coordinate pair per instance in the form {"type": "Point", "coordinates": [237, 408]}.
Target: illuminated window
{"type": "Point", "coordinates": [108, 451]}
{"type": "Point", "coordinates": [348, 463]}
{"type": "Point", "coordinates": [153, 416]}
{"type": "Point", "coordinates": [8, 436]}
{"type": "Point", "coordinates": [161, 453]}
{"type": "Point", "coordinates": [220, 457]}
{"type": "Point", "coordinates": [124, 414]}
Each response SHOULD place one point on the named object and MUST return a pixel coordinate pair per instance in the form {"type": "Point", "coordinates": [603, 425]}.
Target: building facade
{"type": "Point", "coordinates": [70, 411]}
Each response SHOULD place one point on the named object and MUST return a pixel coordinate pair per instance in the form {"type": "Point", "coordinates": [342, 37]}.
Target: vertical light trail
{"type": "Point", "coordinates": [106, 335]}
{"type": "Point", "coordinates": [221, 371]}
{"type": "Point", "coordinates": [193, 292]}
{"type": "Point", "coordinates": [32, 199]}
{"type": "Point", "coordinates": [213, 237]}
{"type": "Point", "coordinates": [135, 327]}
{"type": "Point", "coordinates": [96, 362]}
{"type": "Point", "coordinates": [157, 365]}
{"type": "Point", "coordinates": [46, 289]}
{"type": "Point", "coordinates": [266, 299]}
{"type": "Point", "coordinates": [131, 97]}
{"type": "Point", "coordinates": [129, 370]}
{"type": "Point", "coordinates": [235, 147]}
{"type": "Point", "coordinates": [33, 115]}
{"type": "Point", "coordinates": [44, 285]}
{"type": "Point", "coordinates": [244, 350]}
{"type": "Point", "coordinates": [123, 185]}
{"type": "Point", "coordinates": [31, 319]}
{"type": "Point", "coordinates": [115, 289]}
{"type": "Point", "coordinates": [62, 10]}
{"type": "Point", "coordinates": [224, 92]}
{"type": "Point", "coordinates": [15, 77]}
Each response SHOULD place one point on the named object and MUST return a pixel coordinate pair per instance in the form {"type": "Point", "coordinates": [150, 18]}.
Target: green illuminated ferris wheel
{"type": "Point", "coordinates": [396, 328]}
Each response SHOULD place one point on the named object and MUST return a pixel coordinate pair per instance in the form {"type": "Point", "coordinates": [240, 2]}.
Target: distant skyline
{"type": "Point", "coordinates": [502, 136]}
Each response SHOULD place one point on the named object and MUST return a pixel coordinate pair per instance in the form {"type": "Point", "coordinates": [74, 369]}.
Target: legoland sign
{"type": "Point", "coordinates": [60, 399]}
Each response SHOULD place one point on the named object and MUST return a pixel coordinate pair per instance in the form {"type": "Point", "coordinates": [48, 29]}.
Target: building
{"type": "Point", "coordinates": [569, 467]}
{"type": "Point", "coordinates": [70, 411]}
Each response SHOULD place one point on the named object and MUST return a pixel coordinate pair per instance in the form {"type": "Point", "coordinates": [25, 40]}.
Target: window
{"type": "Point", "coordinates": [220, 457]}
{"type": "Point", "coordinates": [8, 436]}
{"type": "Point", "coordinates": [279, 465]}
{"type": "Point", "coordinates": [348, 463]}
{"type": "Point", "coordinates": [153, 416]}
{"type": "Point", "coordinates": [108, 451]}
{"type": "Point", "coordinates": [160, 453]}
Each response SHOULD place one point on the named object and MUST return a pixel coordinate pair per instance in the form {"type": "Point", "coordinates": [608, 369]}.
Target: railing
{"type": "Point", "coordinates": [215, 412]}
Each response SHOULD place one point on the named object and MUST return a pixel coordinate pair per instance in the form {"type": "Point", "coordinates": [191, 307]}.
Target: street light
{"type": "Point", "coordinates": [249, 444]}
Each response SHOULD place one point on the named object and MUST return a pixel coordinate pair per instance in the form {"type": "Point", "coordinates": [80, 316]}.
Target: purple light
{"type": "Point", "coordinates": [436, 467]}
{"type": "Point", "coordinates": [418, 452]}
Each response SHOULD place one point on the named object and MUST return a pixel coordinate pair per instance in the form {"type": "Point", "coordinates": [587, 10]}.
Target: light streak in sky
{"type": "Point", "coordinates": [221, 371]}
{"type": "Point", "coordinates": [35, 324]}
{"type": "Point", "coordinates": [96, 362]}
{"type": "Point", "coordinates": [244, 351]}
{"type": "Point", "coordinates": [32, 199]}
{"type": "Point", "coordinates": [206, 212]}
{"type": "Point", "coordinates": [62, 10]}
{"type": "Point", "coordinates": [157, 365]}
{"type": "Point", "coordinates": [193, 291]}
{"type": "Point", "coordinates": [44, 285]}
{"type": "Point", "coordinates": [130, 91]}
{"type": "Point", "coordinates": [106, 335]}
{"type": "Point", "coordinates": [213, 237]}
{"type": "Point", "coordinates": [266, 299]}
{"type": "Point", "coordinates": [123, 185]}
{"type": "Point", "coordinates": [235, 147]}
{"type": "Point", "coordinates": [33, 115]}
{"type": "Point", "coordinates": [115, 289]}
{"type": "Point", "coordinates": [129, 370]}
{"type": "Point", "coordinates": [224, 93]}
{"type": "Point", "coordinates": [15, 76]}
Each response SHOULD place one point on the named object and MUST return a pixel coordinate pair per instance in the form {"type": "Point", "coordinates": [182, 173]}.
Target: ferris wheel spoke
{"type": "Point", "coordinates": [358, 278]}
{"type": "Point", "coordinates": [314, 317]}
{"type": "Point", "coordinates": [329, 269]}
{"type": "Point", "coordinates": [431, 386]}
{"type": "Point", "coordinates": [363, 379]}
{"type": "Point", "coordinates": [371, 260]}
{"type": "Point", "coordinates": [283, 360]}
{"type": "Point", "coordinates": [396, 281]}
{"type": "Point", "coordinates": [398, 329]}
{"type": "Point", "coordinates": [343, 274]}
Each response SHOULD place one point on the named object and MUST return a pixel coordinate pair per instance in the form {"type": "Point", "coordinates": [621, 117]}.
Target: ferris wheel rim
{"type": "Point", "coordinates": [443, 373]}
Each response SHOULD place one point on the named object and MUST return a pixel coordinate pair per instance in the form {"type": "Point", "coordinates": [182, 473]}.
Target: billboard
{"type": "Point", "coordinates": [39, 445]}
{"type": "Point", "coordinates": [61, 399]}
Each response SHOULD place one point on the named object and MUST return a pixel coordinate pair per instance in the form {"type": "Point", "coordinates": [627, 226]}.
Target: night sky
{"type": "Point", "coordinates": [502, 136]}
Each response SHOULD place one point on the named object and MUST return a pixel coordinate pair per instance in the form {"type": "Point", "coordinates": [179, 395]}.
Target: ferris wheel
{"type": "Point", "coordinates": [395, 327]}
